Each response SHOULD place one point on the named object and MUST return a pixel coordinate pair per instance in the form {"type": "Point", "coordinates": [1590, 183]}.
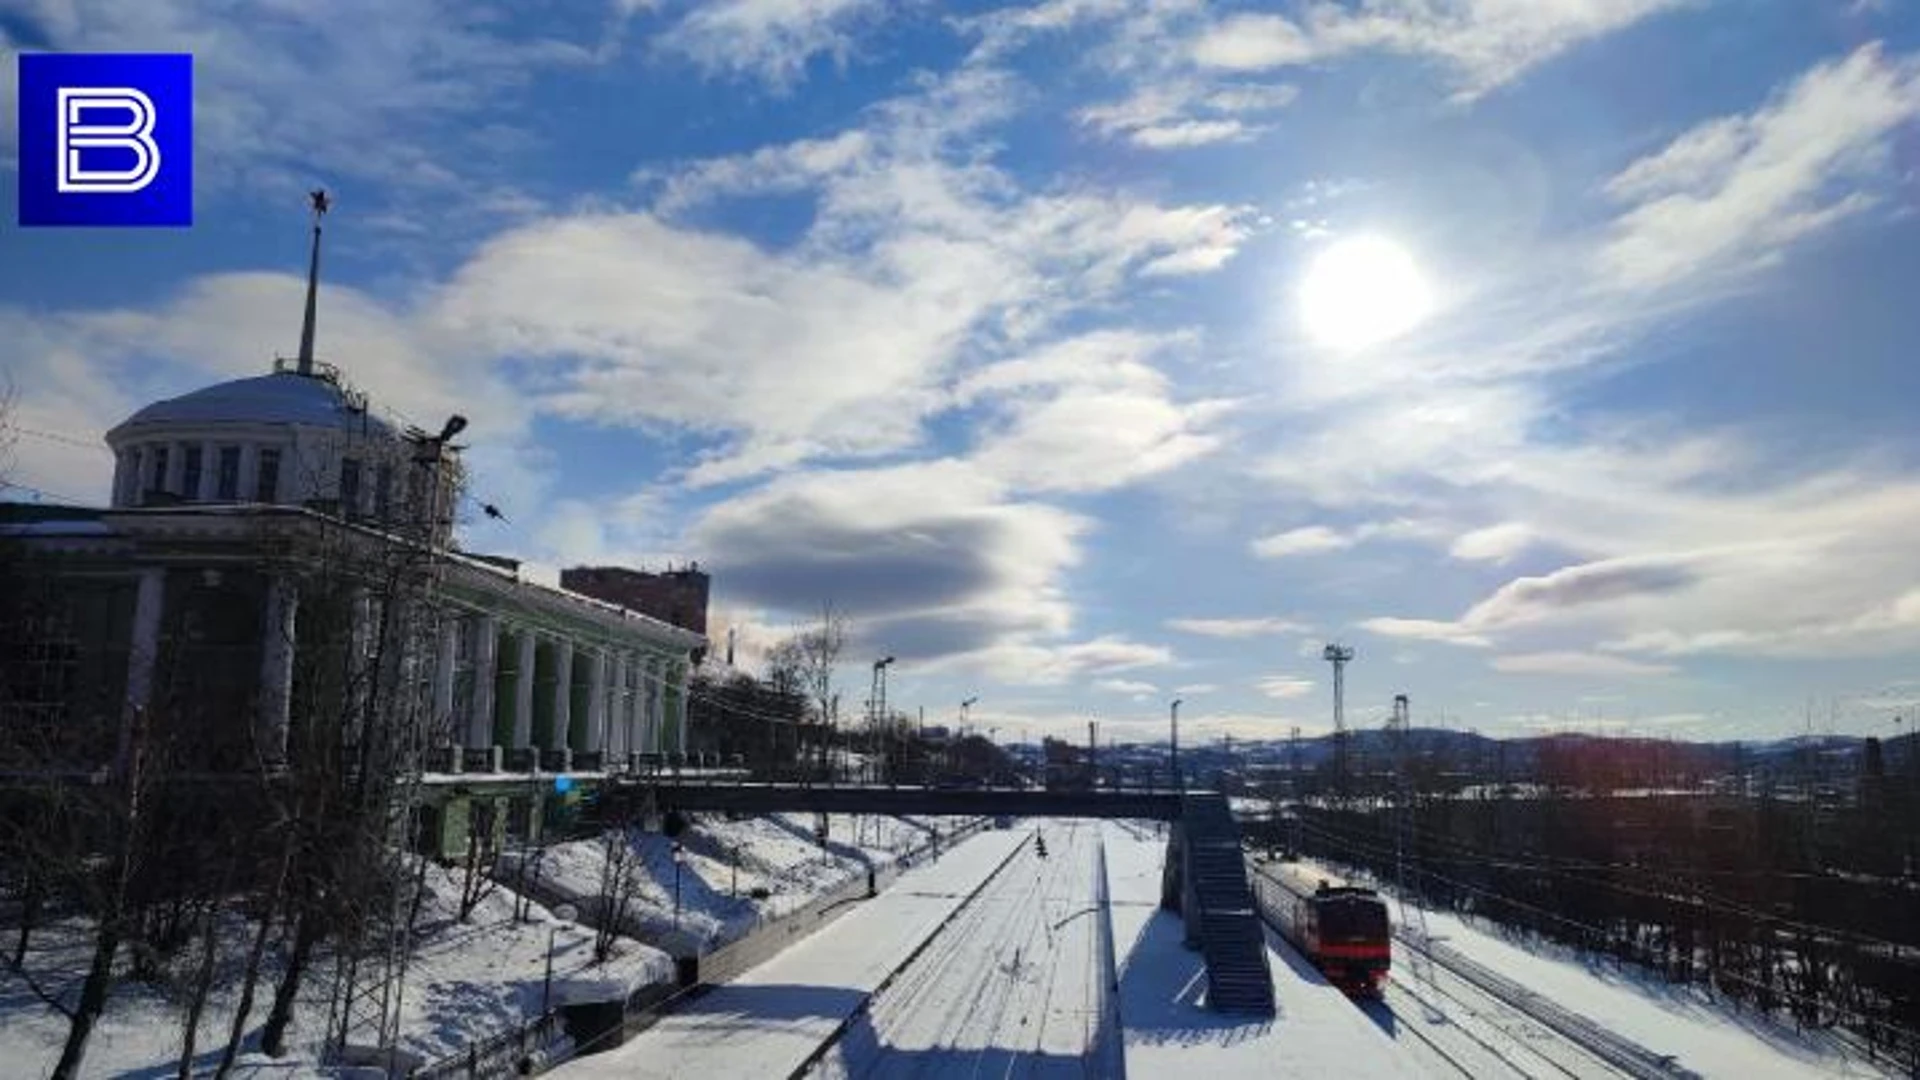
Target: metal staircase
{"type": "Point", "coordinates": [1219, 908]}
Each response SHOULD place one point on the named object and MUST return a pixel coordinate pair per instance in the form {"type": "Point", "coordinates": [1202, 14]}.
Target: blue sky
{"type": "Point", "coordinates": [1006, 329]}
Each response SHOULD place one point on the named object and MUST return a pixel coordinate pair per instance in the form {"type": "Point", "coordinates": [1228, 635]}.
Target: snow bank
{"type": "Point", "coordinates": [732, 877]}
{"type": "Point", "coordinates": [467, 981]}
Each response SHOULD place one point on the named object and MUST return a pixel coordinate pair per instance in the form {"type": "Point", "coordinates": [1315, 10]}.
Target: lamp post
{"type": "Point", "coordinates": [678, 851]}
{"type": "Point", "coordinates": [962, 730]}
{"type": "Point", "coordinates": [1173, 743]}
{"type": "Point", "coordinates": [563, 915]}
{"type": "Point", "coordinates": [877, 736]}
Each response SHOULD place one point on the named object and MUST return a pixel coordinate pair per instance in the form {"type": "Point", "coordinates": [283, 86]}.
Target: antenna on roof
{"type": "Point", "coordinates": [321, 204]}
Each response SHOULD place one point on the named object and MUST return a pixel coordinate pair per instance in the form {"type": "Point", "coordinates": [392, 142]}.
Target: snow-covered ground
{"type": "Point", "coordinates": [724, 862]}
{"type": "Point", "coordinates": [770, 1019]}
{"type": "Point", "coordinates": [467, 981]}
{"type": "Point", "coordinates": [1704, 1035]}
{"type": "Point", "coordinates": [1009, 988]}
{"type": "Point", "coordinates": [472, 980]}
{"type": "Point", "coordinates": [1316, 1031]}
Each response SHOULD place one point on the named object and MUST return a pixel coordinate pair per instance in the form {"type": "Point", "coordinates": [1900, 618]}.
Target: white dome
{"type": "Point", "coordinates": [281, 398]}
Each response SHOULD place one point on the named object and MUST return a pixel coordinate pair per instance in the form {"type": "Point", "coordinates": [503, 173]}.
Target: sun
{"type": "Point", "coordinates": [1363, 291]}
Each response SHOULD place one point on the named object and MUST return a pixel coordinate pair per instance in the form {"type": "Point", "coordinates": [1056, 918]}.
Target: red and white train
{"type": "Point", "coordinates": [1340, 927]}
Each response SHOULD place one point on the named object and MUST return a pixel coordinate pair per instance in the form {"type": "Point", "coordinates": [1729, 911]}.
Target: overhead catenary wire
{"type": "Point", "coordinates": [1604, 935]}
{"type": "Point", "coordinates": [1702, 898]}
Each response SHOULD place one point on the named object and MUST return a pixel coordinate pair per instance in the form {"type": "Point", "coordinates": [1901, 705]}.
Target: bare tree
{"type": "Point", "coordinates": [619, 883]}
{"type": "Point", "coordinates": [476, 877]}
{"type": "Point", "coordinates": [819, 648]}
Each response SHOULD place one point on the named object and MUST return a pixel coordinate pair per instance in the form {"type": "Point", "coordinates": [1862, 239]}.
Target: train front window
{"type": "Point", "coordinates": [1353, 920]}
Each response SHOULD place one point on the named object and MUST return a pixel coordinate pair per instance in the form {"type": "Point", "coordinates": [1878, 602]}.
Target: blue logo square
{"type": "Point", "coordinates": [106, 139]}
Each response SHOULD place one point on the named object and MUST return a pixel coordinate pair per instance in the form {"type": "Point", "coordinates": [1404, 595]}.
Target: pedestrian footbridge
{"type": "Point", "coordinates": [1204, 877]}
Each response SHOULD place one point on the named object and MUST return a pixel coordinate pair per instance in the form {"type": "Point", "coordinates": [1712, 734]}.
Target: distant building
{"type": "Point", "coordinates": [672, 596]}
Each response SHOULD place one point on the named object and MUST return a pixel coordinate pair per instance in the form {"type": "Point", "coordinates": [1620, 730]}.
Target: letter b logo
{"type": "Point", "coordinates": [106, 139]}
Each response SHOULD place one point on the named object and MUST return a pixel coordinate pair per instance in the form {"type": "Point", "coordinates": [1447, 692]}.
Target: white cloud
{"type": "Point", "coordinates": [1131, 687]}
{"type": "Point", "coordinates": [1576, 663]}
{"type": "Point", "coordinates": [420, 114]}
{"type": "Point", "coordinates": [1425, 630]}
{"type": "Point", "coordinates": [1039, 664]}
{"type": "Point", "coordinates": [1197, 688]}
{"type": "Point", "coordinates": [1282, 687]}
{"type": "Point", "coordinates": [921, 254]}
{"type": "Point", "coordinates": [1734, 191]}
{"type": "Point", "coordinates": [1316, 539]}
{"type": "Point", "coordinates": [1086, 413]}
{"type": "Point", "coordinates": [770, 40]}
{"type": "Point", "coordinates": [1306, 540]}
{"type": "Point", "coordinates": [1187, 112]}
{"type": "Point", "coordinates": [1237, 628]}
{"type": "Point", "coordinates": [1485, 43]}
{"type": "Point", "coordinates": [1495, 544]}
{"type": "Point", "coordinates": [1249, 42]}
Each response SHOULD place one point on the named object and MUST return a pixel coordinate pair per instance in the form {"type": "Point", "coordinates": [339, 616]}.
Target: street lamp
{"type": "Point", "coordinates": [877, 737]}
{"type": "Point", "coordinates": [678, 857]}
{"type": "Point", "coordinates": [1173, 743]}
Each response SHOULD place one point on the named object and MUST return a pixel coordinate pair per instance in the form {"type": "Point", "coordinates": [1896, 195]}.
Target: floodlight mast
{"type": "Point", "coordinates": [1339, 655]}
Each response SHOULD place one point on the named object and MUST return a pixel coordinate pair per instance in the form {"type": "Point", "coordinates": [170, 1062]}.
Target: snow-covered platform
{"type": "Point", "coordinates": [1316, 1031]}
{"type": "Point", "coordinates": [770, 1021]}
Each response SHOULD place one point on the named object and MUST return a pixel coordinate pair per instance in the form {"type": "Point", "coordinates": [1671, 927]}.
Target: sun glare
{"type": "Point", "coordinates": [1363, 291]}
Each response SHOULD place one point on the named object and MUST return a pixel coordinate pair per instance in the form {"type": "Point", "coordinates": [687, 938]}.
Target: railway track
{"type": "Point", "coordinates": [1608, 1049]}
{"type": "Point", "coordinates": [1615, 1050]}
{"type": "Point", "coordinates": [965, 907]}
{"type": "Point", "coordinates": [1510, 1052]}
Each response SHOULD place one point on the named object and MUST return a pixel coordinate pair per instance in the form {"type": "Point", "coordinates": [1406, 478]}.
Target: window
{"type": "Point", "coordinates": [190, 474]}
{"type": "Point", "coordinates": [383, 492]}
{"type": "Point", "coordinates": [158, 474]}
{"type": "Point", "coordinates": [349, 486]}
{"type": "Point", "coordinates": [266, 484]}
{"type": "Point", "coordinates": [229, 478]}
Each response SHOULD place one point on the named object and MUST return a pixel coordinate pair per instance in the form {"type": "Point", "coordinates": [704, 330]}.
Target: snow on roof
{"type": "Point", "coordinates": [280, 398]}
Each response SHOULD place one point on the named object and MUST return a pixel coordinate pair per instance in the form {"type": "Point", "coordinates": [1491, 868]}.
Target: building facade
{"type": "Point", "coordinates": [275, 576]}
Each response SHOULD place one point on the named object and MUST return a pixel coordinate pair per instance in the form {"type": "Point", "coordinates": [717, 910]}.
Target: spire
{"type": "Point", "coordinates": [320, 204]}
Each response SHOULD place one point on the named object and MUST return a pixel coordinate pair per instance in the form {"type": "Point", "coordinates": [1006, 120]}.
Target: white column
{"type": "Point", "coordinates": [209, 473]}
{"type": "Point", "coordinates": [486, 643]}
{"type": "Point", "coordinates": [143, 461]}
{"type": "Point", "coordinates": [249, 471]}
{"type": "Point", "coordinates": [177, 466]}
{"type": "Point", "coordinates": [619, 709]}
{"type": "Point", "coordinates": [680, 675]}
{"type": "Point", "coordinates": [446, 659]}
{"type": "Point", "coordinates": [276, 666]}
{"type": "Point", "coordinates": [643, 707]}
{"type": "Point", "coordinates": [562, 694]}
{"type": "Point", "coordinates": [523, 693]}
{"type": "Point", "coordinates": [596, 701]}
{"type": "Point", "coordinates": [144, 649]}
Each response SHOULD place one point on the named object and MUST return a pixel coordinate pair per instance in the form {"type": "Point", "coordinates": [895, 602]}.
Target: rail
{"type": "Point", "coordinates": [1616, 1050]}
{"type": "Point", "coordinates": [840, 1030]}
{"type": "Point", "coordinates": [538, 1042]}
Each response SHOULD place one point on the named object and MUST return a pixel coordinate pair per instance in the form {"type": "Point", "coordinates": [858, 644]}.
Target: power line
{"type": "Point", "coordinates": [44, 494]}
{"type": "Point", "coordinates": [67, 439]}
{"type": "Point", "coordinates": [1702, 899]}
{"type": "Point", "coordinates": [1608, 936]}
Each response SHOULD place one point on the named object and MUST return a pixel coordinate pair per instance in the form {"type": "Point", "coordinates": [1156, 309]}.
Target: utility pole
{"type": "Point", "coordinates": [1173, 744]}
{"type": "Point", "coordinates": [1093, 748]}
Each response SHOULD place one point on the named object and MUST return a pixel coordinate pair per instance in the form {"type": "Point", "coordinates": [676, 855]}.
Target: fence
{"type": "Point", "coordinates": [538, 1044]}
